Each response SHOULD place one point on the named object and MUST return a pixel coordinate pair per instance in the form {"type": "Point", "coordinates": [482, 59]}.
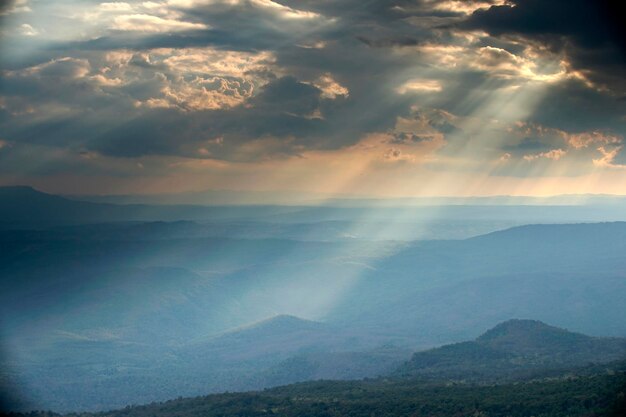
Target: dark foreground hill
{"type": "Point", "coordinates": [512, 350]}
{"type": "Point", "coordinates": [583, 395]}
{"type": "Point", "coordinates": [519, 367]}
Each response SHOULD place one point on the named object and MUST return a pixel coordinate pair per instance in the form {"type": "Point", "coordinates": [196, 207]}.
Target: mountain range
{"type": "Point", "coordinates": [527, 364]}
{"type": "Point", "coordinates": [512, 350]}
{"type": "Point", "coordinates": [26, 208]}
{"type": "Point", "coordinates": [101, 315]}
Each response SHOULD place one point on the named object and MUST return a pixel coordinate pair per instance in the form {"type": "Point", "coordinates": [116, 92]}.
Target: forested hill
{"type": "Point", "coordinates": [595, 395]}
{"type": "Point", "coordinates": [518, 368]}
{"type": "Point", "coordinates": [513, 349]}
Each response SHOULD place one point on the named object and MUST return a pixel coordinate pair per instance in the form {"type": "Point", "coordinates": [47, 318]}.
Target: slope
{"type": "Point", "coordinates": [511, 350]}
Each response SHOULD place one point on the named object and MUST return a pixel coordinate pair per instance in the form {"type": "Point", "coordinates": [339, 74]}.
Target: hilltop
{"type": "Point", "coordinates": [514, 349]}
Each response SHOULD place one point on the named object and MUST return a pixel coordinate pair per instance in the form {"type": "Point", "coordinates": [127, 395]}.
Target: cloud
{"type": "Point", "coordinates": [463, 6]}
{"type": "Point", "coordinates": [410, 138]}
{"type": "Point", "coordinates": [395, 155]}
{"type": "Point", "coordinates": [330, 88]}
{"type": "Point", "coordinates": [535, 150]}
{"type": "Point", "coordinates": [589, 33]}
{"type": "Point", "coordinates": [607, 160]}
{"type": "Point", "coordinates": [502, 63]}
{"type": "Point", "coordinates": [61, 68]}
{"type": "Point", "coordinates": [586, 139]}
{"type": "Point", "coordinates": [284, 11]}
{"type": "Point", "coordinates": [17, 6]}
{"type": "Point", "coordinates": [255, 81]}
{"type": "Point", "coordinates": [27, 30]}
{"type": "Point", "coordinates": [189, 79]}
{"type": "Point", "coordinates": [420, 86]}
{"type": "Point", "coordinates": [116, 7]}
{"type": "Point", "coordinates": [554, 154]}
{"type": "Point", "coordinates": [148, 23]}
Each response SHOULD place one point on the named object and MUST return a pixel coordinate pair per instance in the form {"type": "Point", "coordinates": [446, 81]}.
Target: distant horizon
{"type": "Point", "coordinates": [316, 197]}
{"type": "Point", "coordinates": [224, 198]}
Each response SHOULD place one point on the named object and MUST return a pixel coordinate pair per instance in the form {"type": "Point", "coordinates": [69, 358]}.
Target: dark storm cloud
{"type": "Point", "coordinates": [529, 144]}
{"type": "Point", "coordinates": [400, 138]}
{"type": "Point", "coordinates": [389, 42]}
{"type": "Point", "coordinates": [280, 111]}
{"type": "Point", "coordinates": [288, 94]}
{"type": "Point", "coordinates": [590, 32]}
{"type": "Point", "coordinates": [289, 109]}
{"type": "Point", "coordinates": [572, 106]}
{"type": "Point", "coordinates": [284, 110]}
{"type": "Point", "coordinates": [70, 96]}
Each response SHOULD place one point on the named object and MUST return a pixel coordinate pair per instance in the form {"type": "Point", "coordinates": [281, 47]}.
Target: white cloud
{"type": "Point", "coordinates": [207, 93]}
{"type": "Point", "coordinates": [553, 154]}
{"type": "Point", "coordinates": [151, 5]}
{"type": "Point", "coordinates": [27, 30]}
{"type": "Point", "coordinates": [608, 157]}
{"type": "Point", "coordinates": [465, 7]}
{"type": "Point", "coordinates": [284, 11]}
{"type": "Point", "coordinates": [115, 7]}
{"type": "Point", "coordinates": [313, 45]}
{"type": "Point", "coordinates": [65, 67]}
{"type": "Point", "coordinates": [187, 79]}
{"type": "Point", "coordinates": [204, 61]}
{"type": "Point", "coordinates": [331, 89]}
{"type": "Point", "coordinates": [584, 139]}
{"type": "Point", "coordinates": [505, 157]}
{"type": "Point", "coordinates": [280, 10]}
{"type": "Point", "coordinates": [420, 85]}
{"type": "Point", "coordinates": [504, 64]}
{"type": "Point", "coordinates": [149, 23]}
{"type": "Point", "coordinates": [527, 65]}
{"type": "Point", "coordinates": [191, 79]}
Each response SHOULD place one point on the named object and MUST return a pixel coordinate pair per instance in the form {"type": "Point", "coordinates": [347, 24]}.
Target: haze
{"type": "Point", "coordinates": [312, 208]}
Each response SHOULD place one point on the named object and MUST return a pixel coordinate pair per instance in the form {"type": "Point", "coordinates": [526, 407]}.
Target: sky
{"type": "Point", "coordinates": [389, 98]}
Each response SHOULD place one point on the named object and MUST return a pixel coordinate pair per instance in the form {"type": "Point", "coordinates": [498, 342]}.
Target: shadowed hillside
{"type": "Point", "coordinates": [103, 315]}
{"type": "Point", "coordinates": [514, 349]}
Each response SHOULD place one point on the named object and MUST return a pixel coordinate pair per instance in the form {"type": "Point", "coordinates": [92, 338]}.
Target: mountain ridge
{"type": "Point", "coordinates": [22, 206]}
{"type": "Point", "coordinates": [514, 348]}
